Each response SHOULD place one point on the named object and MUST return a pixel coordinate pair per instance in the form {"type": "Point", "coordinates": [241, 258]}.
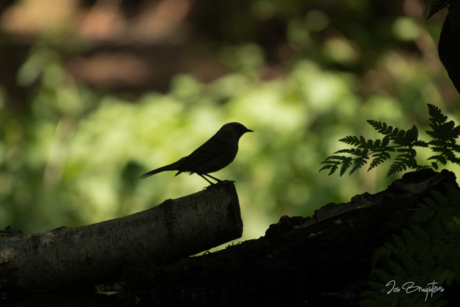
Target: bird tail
{"type": "Point", "coordinates": [170, 167]}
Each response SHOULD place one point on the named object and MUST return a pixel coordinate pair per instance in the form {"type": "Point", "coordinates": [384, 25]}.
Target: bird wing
{"type": "Point", "coordinates": [212, 149]}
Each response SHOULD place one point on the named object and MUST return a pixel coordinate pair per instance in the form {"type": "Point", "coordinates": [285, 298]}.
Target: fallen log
{"type": "Point", "coordinates": [86, 255]}
{"type": "Point", "coordinates": [324, 260]}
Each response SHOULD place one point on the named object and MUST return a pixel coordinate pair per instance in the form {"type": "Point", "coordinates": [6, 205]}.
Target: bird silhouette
{"type": "Point", "coordinates": [218, 152]}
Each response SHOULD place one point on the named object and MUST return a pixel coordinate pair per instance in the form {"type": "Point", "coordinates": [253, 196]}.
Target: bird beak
{"type": "Point", "coordinates": [249, 130]}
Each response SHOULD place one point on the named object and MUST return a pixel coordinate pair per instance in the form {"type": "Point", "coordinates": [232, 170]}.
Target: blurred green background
{"type": "Point", "coordinates": [95, 93]}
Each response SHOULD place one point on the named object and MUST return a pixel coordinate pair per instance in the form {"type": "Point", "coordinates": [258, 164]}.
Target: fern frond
{"type": "Point", "coordinates": [333, 163]}
{"type": "Point", "coordinates": [453, 193]}
{"type": "Point", "coordinates": [456, 132]}
{"type": "Point", "coordinates": [358, 163]}
{"type": "Point", "coordinates": [380, 157]}
{"type": "Point", "coordinates": [412, 134]}
{"type": "Point", "coordinates": [340, 158]}
{"type": "Point", "coordinates": [380, 127]}
{"type": "Point", "coordinates": [346, 163]}
{"type": "Point", "coordinates": [412, 266]}
{"type": "Point", "coordinates": [356, 152]}
{"type": "Point", "coordinates": [419, 143]}
{"type": "Point", "coordinates": [440, 199]}
{"type": "Point", "coordinates": [424, 248]}
{"type": "Point", "coordinates": [434, 111]}
{"type": "Point", "coordinates": [444, 136]}
{"type": "Point", "coordinates": [437, 6]}
{"type": "Point", "coordinates": [422, 214]}
{"type": "Point", "coordinates": [438, 159]}
{"type": "Point", "coordinates": [451, 156]}
{"type": "Point", "coordinates": [396, 167]}
{"type": "Point", "coordinates": [353, 140]}
{"type": "Point", "coordinates": [419, 167]}
{"type": "Point", "coordinates": [386, 141]}
{"type": "Point", "coordinates": [445, 131]}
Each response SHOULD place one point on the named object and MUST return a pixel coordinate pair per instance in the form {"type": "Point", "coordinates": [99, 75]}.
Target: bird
{"type": "Point", "coordinates": [218, 152]}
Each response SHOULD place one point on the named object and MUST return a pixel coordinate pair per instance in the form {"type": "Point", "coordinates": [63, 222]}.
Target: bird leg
{"type": "Point", "coordinates": [218, 180]}
{"type": "Point", "coordinates": [206, 179]}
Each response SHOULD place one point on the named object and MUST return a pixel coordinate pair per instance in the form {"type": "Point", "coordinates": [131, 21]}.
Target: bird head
{"type": "Point", "coordinates": [236, 129]}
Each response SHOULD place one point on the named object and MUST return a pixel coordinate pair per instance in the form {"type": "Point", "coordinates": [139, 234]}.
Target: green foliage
{"type": "Point", "coordinates": [71, 154]}
{"type": "Point", "coordinates": [425, 251]}
{"type": "Point", "coordinates": [437, 6]}
{"type": "Point", "coordinates": [444, 136]}
{"type": "Point", "coordinates": [454, 10]}
{"type": "Point", "coordinates": [77, 158]}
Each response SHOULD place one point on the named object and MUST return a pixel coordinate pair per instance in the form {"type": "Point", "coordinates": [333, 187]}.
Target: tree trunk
{"type": "Point", "coordinates": [72, 257]}
{"type": "Point", "coordinates": [449, 51]}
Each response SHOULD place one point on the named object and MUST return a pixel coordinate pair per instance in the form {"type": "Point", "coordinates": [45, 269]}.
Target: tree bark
{"type": "Point", "coordinates": [73, 257]}
{"type": "Point", "coordinates": [325, 260]}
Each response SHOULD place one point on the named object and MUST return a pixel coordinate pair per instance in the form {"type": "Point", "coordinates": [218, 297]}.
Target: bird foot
{"type": "Point", "coordinates": [219, 183]}
{"type": "Point", "coordinates": [209, 186]}
{"type": "Point", "coordinates": [226, 181]}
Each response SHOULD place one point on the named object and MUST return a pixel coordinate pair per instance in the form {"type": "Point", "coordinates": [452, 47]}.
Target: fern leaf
{"type": "Point", "coordinates": [456, 131]}
{"type": "Point", "coordinates": [440, 199]}
{"type": "Point", "coordinates": [450, 156]}
{"type": "Point", "coordinates": [333, 169]}
{"type": "Point", "coordinates": [438, 148]}
{"type": "Point", "coordinates": [438, 158]}
{"type": "Point", "coordinates": [396, 167]}
{"type": "Point", "coordinates": [390, 247]}
{"type": "Point", "coordinates": [376, 125]}
{"type": "Point", "coordinates": [385, 141]}
{"type": "Point", "coordinates": [433, 205]}
{"type": "Point", "coordinates": [380, 127]}
{"type": "Point", "coordinates": [408, 235]}
{"type": "Point", "coordinates": [346, 163]}
{"type": "Point", "coordinates": [421, 214]}
{"type": "Point", "coordinates": [398, 241]}
{"type": "Point", "coordinates": [420, 234]}
{"type": "Point", "coordinates": [380, 158]}
{"type": "Point", "coordinates": [396, 269]}
{"type": "Point", "coordinates": [419, 167]}
{"type": "Point", "coordinates": [434, 111]}
{"type": "Point", "coordinates": [358, 163]}
{"type": "Point", "coordinates": [410, 264]}
{"type": "Point", "coordinates": [348, 151]}
{"type": "Point", "coordinates": [352, 151]}
{"type": "Point", "coordinates": [453, 193]}
{"type": "Point", "coordinates": [381, 253]}
{"type": "Point", "coordinates": [436, 6]}
{"type": "Point", "coordinates": [384, 276]}
{"type": "Point", "coordinates": [455, 148]}
{"type": "Point", "coordinates": [351, 140]}
{"type": "Point", "coordinates": [436, 228]}
{"type": "Point", "coordinates": [412, 134]}
{"type": "Point", "coordinates": [419, 143]}
{"type": "Point", "coordinates": [340, 158]}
